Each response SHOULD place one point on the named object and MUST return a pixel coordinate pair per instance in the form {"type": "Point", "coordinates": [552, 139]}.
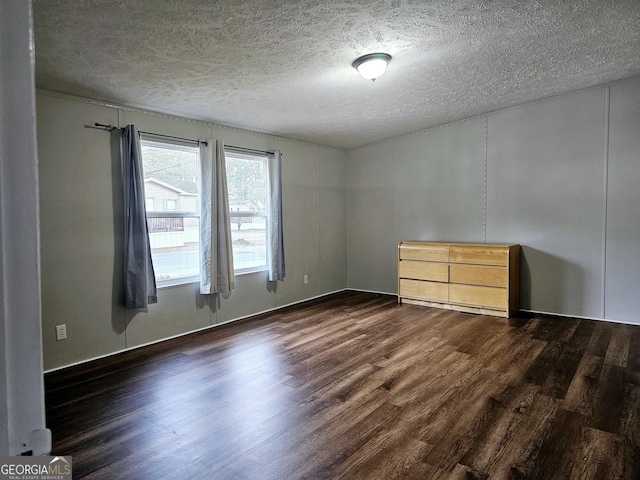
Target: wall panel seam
{"type": "Point", "coordinates": [393, 189]}
{"type": "Point", "coordinates": [605, 198]}
{"type": "Point", "coordinates": [484, 220]}
{"type": "Point", "coordinates": [318, 209]}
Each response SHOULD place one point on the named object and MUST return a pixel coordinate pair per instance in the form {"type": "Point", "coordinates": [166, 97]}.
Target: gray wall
{"type": "Point", "coordinates": [622, 272]}
{"type": "Point", "coordinates": [559, 176]}
{"type": "Point", "coordinates": [81, 233]}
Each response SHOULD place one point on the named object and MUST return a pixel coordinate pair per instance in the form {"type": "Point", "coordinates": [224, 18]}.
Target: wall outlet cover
{"type": "Point", "coordinates": [61, 332]}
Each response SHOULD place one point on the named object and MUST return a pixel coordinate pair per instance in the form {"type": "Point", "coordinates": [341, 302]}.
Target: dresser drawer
{"type": "Point", "coordinates": [438, 272]}
{"type": "Point", "coordinates": [489, 276]}
{"type": "Point", "coordinates": [475, 295]}
{"type": "Point", "coordinates": [428, 252]}
{"type": "Point", "coordinates": [479, 255]}
{"type": "Point", "coordinates": [424, 290]}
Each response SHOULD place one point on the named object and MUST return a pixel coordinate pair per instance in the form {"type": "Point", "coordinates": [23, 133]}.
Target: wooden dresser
{"type": "Point", "coordinates": [474, 278]}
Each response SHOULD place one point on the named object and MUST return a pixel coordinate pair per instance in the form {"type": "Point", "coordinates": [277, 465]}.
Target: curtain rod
{"type": "Point", "coordinates": [204, 142]}
{"type": "Point", "coordinates": [243, 149]}
{"type": "Point", "coordinates": [111, 128]}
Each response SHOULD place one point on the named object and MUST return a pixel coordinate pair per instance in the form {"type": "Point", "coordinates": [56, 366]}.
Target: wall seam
{"type": "Point", "coordinates": [394, 232]}
{"type": "Point", "coordinates": [319, 197]}
{"type": "Point", "coordinates": [346, 211]}
{"type": "Point", "coordinates": [484, 221]}
{"type": "Point", "coordinates": [605, 198]}
{"type": "Point", "coordinates": [347, 159]}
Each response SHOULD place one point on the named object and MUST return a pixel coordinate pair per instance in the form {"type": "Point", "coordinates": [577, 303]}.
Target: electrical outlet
{"type": "Point", "coordinates": [306, 279]}
{"type": "Point", "coordinates": [61, 332]}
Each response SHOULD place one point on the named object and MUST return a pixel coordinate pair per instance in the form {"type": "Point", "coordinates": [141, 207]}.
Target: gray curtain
{"type": "Point", "coordinates": [275, 250]}
{"type": "Point", "coordinates": [216, 254]}
{"type": "Point", "coordinates": [140, 280]}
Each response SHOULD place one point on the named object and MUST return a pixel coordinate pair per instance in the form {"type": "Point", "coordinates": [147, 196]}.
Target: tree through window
{"type": "Point", "coordinates": [248, 209]}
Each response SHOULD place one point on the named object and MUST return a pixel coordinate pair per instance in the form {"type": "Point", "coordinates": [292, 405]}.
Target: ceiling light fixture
{"type": "Point", "coordinates": [372, 66]}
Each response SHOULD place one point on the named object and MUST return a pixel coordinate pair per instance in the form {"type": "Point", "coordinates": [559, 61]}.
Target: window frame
{"type": "Point", "coordinates": [241, 154]}
{"type": "Point", "coordinates": [164, 283]}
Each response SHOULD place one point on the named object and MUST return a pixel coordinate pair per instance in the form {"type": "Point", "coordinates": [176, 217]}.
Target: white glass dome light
{"type": "Point", "coordinates": [372, 66]}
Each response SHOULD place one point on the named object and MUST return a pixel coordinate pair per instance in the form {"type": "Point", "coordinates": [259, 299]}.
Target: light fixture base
{"type": "Point", "coordinates": [372, 65]}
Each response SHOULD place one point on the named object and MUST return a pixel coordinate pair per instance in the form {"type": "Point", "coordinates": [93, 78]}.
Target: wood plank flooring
{"type": "Point", "coordinates": [355, 386]}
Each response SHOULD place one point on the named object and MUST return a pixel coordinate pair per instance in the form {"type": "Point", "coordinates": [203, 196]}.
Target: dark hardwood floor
{"type": "Point", "coordinates": [355, 386]}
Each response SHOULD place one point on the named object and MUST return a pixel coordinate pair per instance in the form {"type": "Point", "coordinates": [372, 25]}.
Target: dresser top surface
{"type": "Point", "coordinates": [419, 243]}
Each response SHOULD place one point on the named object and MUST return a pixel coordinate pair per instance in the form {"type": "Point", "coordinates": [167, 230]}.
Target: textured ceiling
{"type": "Point", "coordinates": [284, 67]}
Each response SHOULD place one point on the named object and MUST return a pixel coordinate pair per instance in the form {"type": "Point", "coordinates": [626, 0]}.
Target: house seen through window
{"type": "Point", "coordinates": [171, 176]}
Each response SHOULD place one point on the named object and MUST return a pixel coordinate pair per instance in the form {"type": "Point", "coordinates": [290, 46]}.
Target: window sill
{"type": "Point", "coordinates": [178, 282]}
{"type": "Point", "coordinates": [247, 271]}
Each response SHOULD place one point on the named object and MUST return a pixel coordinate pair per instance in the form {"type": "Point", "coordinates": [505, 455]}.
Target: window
{"type": "Point", "coordinates": [248, 210]}
{"type": "Point", "coordinates": [171, 184]}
